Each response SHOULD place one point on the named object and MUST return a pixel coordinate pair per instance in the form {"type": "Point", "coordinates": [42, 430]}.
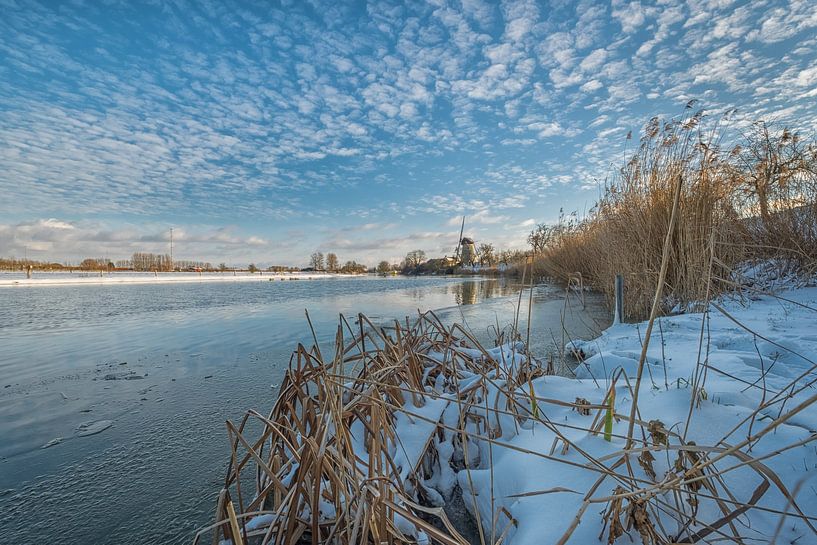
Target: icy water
{"type": "Point", "coordinates": [161, 367]}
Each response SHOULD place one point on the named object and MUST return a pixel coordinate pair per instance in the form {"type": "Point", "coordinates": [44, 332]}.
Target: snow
{"type": "Point", "coordinates": [260, 521]}
{"type": "Point", "coordinates": [414, 434]}
{"type": "Point", "coordinates": [66, 279]}
{"type": "Point", "coordinates": [533, 498]}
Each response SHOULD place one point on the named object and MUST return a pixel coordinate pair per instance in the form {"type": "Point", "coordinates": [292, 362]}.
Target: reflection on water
{"type": "Point", "coordinates": [168, 364]}
{"type": "Point", "coordinates": [470, 293]}
{"type": "Point", "coordinates": [46, 330]}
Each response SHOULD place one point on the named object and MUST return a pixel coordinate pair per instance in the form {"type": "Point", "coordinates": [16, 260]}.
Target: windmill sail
{"type": "Point", "coordinates": [459, 240]}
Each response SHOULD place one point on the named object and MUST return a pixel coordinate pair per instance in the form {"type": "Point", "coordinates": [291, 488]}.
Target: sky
{"type": "Point", "coordinates": [263, 131]}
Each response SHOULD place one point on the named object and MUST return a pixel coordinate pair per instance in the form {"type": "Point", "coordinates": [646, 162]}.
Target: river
{"type": "Point", "coordinates": [165, 365]}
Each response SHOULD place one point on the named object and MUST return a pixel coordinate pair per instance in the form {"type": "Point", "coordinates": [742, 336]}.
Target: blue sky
{"type": "Point", "coordinates": [263, 131]}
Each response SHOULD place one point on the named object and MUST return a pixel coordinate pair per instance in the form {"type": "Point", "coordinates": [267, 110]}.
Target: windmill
{"type": "Point", "coordinates": [466, 253]}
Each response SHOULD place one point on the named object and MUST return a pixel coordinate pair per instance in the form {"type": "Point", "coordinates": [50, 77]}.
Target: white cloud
{"type": "Point", "coordinates": [630, 14]}
{"type": "Point", "coordinates": [407, 110]}
{"type": "Point", "coordinates": [594, 60]}
{"type": "Point", "coordinates": [781, 23]}
{"type": "Point", "coordinates": [60, 240]}
{"type": "Point", "coordinates": [591, 86]}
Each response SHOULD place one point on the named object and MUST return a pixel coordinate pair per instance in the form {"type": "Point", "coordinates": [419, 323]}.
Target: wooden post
{"type": "Point", "coordinates": [619, 315]}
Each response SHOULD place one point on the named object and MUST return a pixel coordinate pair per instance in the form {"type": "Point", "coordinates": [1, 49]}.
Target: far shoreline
{"type": "Point", "coordinates": [162, 278]}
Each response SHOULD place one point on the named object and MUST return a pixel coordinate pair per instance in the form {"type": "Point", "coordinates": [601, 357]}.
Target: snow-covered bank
{"type": "Point", "coordinates": [721, 446]}
{"type": "Point", "coordinates": [772, 366]}
{"type": "Point", "coordinates": [63, 279]}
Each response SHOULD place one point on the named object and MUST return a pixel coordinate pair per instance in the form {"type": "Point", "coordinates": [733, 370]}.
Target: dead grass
{"type": "Point", "coordinates": [327, 464]}
{"type": "Point", "coordinates": [718, 225]}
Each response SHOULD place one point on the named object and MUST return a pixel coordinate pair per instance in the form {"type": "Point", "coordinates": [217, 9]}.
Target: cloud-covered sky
{"type": "Point", "coordinates": [265, 130]}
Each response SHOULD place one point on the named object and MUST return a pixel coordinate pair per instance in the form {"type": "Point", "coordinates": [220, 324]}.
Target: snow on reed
{"type": "Point", "coordinates": [367, 445]}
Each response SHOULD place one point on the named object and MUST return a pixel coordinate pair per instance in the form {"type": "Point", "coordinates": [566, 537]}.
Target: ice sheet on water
{"type": "Point", "coordinates": [92, 428]}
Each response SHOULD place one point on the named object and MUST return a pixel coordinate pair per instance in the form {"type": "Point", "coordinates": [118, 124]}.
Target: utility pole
{"type": "Point", "coordinates": [171, 250]}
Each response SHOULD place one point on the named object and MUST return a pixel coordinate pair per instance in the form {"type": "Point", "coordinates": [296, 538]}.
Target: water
{"type": "Point", "coordinates": [185, 358]}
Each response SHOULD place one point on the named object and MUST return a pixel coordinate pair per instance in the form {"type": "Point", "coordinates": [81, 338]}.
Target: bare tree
{"type": "Point", "coordinates": [510, 256]}
{"type": "Point", "coordinates": [773, 167]}
{"type": "Point", "coordinates": [487, 254]}
{"type": "Point", "coordinates": [542, 235]}
{"type": "Point", "coordinates": [332, 262]}
{"type": "Point", "coordinates": [95, 264]}
{"type": "Point", "coordinates": [150, 262]}
{"type": "Point", "coordinates": [316, 261]}
{"type": "Point", "coordinates": [414, 258]}
{"type": "Point", "coordinates": [353, 267]}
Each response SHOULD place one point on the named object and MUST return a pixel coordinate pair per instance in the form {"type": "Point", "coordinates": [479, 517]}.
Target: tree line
{"type": "Point", "coordinates": [487, 257]}
{"type": "Point", "coordinates": [331, 263]}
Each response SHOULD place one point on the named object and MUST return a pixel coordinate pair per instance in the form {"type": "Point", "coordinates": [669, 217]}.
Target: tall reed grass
{"type": "Point", "coordinates": [719, 221]}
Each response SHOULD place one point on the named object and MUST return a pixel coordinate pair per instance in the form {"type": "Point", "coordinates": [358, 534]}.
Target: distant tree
{"type": "Point", "coordinates": [222, 267]}
{"type": "Point", "coordinates": [353, 267]}
{"type": "Point", "coordinates": [487, 255]}
{"type": "Point", "coordinates": [252, 268]}
{"type": "Point", "coordinates": [165, 264]}
{"type": "Point", "coordinates": [332, 262]}
{"type": "Point", "coordinates": [507, 257]}
{"type": "Point", "coordinates": [383, 267]}
{"type": "Point", "coordinates": [415, 258]}
{"type": "Point", "coordinates": [316, 261]}
{"type": "Point", "coordinates": [90, 264]}
{"type": "Point", "coordinates": [141, 261]}
{"type": "Point", "coordinates": [541, 236]}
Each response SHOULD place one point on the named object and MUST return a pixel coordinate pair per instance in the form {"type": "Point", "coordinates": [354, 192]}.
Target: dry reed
{"type": "Point", "coordinates": [719, 216]}
{"type": "Point", "coordinates": [329, 464]}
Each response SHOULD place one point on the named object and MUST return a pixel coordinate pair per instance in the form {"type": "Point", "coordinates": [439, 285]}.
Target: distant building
{"type": "Point", "coordinates": [445, 264]}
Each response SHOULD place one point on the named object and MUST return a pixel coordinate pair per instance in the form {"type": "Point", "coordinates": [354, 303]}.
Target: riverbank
{"type": "Point", "coordinates": [723, 442]}
{"type": "Point", "coordinates": [66, 279]}
{"type": "Point", "coordinates": [718, 446]}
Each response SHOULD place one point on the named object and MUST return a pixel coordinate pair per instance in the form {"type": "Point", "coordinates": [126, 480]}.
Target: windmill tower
{"type": "Point", "coordinates": [468, 252]}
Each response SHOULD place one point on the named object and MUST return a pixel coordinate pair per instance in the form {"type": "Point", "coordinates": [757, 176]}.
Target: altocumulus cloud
{"type": "Point", "coordinates": [62, 240]}
{"type": "Point", "coordinates": [298, 117]}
